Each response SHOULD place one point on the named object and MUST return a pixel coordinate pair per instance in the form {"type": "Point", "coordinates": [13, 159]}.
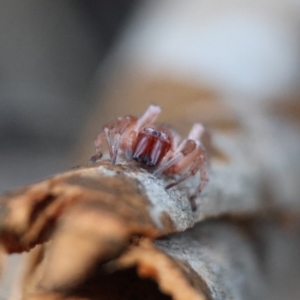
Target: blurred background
{"type": "Point", "coordinates": [49, 55]}
{"type": "Point", "coordinates": [57, 59]}
{"type": "Point", "coordinates": [66, 67]}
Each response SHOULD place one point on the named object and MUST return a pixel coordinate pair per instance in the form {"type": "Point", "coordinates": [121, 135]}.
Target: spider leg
{"type": "Point", "coordinates": [98, 145]}
{"type": "Point", "coordinates": [166, 163]}
{"type": "Point", "coordinates": [190, 161]}
{"type": "Point", "coordinates": [115, 130]}
{"type": "Point", "coordinates": [196, 132]}
{"type": "Point", "coordinates": [198, 165]}
{"type": "Point", "coordinates": [202, 166]}
{"type": "Point", "coordinates": [180, 179]}
{"type": "Point", "coordinates": [109, 141]}
{"type": "Point", "coordinates": [113, 133]}
{"type": "Point", "coordinates": [130, 144]}
{"type": "Point", "coordinates": [203, 177]}
{"type": "Point", "coordinates": [149, 116]}
{"type": "Point", "coordinates": [186, 147]}
{"type": "Point", "coordinates": [189, 154]}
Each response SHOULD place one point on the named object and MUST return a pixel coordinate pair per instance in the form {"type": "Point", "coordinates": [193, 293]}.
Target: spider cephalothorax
{"type": "Point", "coordinates": [156, 146]}
{"type": "Point", "coordinates": [152, 144]}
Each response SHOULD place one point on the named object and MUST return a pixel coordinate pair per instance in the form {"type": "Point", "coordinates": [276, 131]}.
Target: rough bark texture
{"type": "Point", "coordinates": [127, 193]}
{"type": "Point", "coordinates": [224, 259]}
{"type": "Point", "coordinates": [95, 226]}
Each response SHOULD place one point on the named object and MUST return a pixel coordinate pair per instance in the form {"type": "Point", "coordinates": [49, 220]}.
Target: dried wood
{"type": "Point", "coordinates": [218, 259]}
{"type": "Point", "coordinates": [93, 222]}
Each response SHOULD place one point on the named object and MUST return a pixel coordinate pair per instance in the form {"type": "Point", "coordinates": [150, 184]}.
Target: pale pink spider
{"type": "Point", "coordinates": [155, 146]}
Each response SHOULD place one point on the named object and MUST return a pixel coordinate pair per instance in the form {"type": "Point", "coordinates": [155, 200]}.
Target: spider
{"type": "Point", "coordinates": [157, 147]}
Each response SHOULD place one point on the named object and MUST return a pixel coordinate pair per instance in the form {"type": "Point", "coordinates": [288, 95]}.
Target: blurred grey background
{"type": "Point", "coordinates": [55, 56]}
{"type": "Point", "coordinates": [49, 54]}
